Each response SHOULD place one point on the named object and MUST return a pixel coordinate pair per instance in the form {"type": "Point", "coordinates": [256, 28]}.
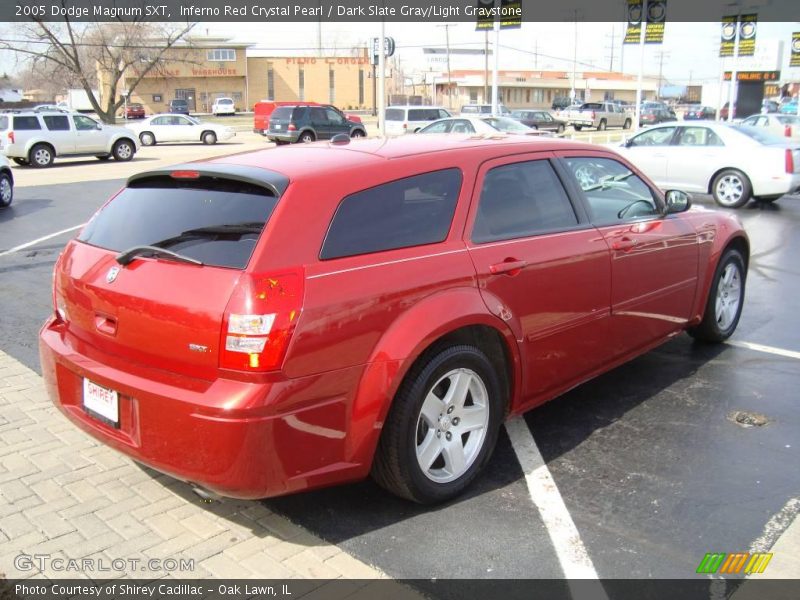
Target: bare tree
{"type": "Point", "coordinates": [122, 51]}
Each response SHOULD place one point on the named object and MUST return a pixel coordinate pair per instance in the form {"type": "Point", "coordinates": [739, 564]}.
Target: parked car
{"type": "Point", "coordinates": [723, 112]}
{"type": "Point", "coordinates": [290, 124]}
{"type": "Point", "coordinates": [179, 128]}
{"type": "Point", "coordinates": [50, 108]}
{"type": "Point", "coordinates": [483, 109]}
{"type": "Point", "coordinates": [599, 115]}
{"type": "Point", "coordinates": [263, 110]}
{"type": "Point", "coordinates": [179, 107]}
{"type": "Point", "coordinates": [776, 123]}
{"type": "Point", "coordinates": [6, 181]}
{"type": "Point", "coordinates": [769, 106]}
{"type": "Point", "coordinates": [699, 113]}
{"type": "Point", "coordinates": [479, 125]}
{"type": "Point", "coordinates": [134, 110]}
{"type": "Point", "coordinates": [653, 113]}
{"type": "Point", "coordinates": [539, 119]}
{"type": "Point", "coordinates": [223, 106]}
{"type": "Point", "coordinates": [257, 337]}
{"type": "Point", "coordinates": [410, 119]}
{"type": "Point", "coordinates": [38, 138]}
{"type": "Point", "coordinates": [731, 162]}
{"type": "Point", "coordinates": [561, 102]}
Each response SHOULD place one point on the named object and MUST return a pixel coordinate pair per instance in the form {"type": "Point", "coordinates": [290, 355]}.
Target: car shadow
{"type": "Point", "coordinates": [21, 208]}
{"type": "Point", "coordinates": [80, 163]}
{"type": "Point", "coordinates": [346, 512]}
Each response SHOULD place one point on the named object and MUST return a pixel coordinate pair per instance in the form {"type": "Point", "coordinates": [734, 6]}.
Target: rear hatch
{"type": "Point", "coordinates": [281, 118]}
{"type": "Point", "coordinates": [395, 121]}
{"type": "Point", "coordinates": [152, 308]}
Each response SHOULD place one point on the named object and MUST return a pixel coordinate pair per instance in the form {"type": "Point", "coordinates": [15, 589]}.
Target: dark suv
{"type": "Point", "coordinates": [179, 107]}
{"type": "Point", "coordinates": [290, 124]}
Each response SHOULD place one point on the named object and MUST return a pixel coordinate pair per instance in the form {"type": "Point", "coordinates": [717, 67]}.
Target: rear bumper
{"type": "Point", "coordinates": [242, 439]}
{"type": "Point", "coordinates": [776, 186]}
{"type": "Point", "coordinates": [288, 136]}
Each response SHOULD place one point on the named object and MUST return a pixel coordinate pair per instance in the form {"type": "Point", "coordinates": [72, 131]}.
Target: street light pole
{"type": "Point", "coordinates": [734, 74]}
{"type": "Point", "coordinates": [642, 27]}
{"type": "Point", "coordinates": [447, 27]}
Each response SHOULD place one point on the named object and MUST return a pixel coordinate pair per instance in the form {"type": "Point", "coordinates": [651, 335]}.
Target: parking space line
{"type": "Point", "coordinates": [763, 348]}
{"type": "Point", "coordinates": [39, 240]}
{"type": "Point", "coordinates": [566, 540]}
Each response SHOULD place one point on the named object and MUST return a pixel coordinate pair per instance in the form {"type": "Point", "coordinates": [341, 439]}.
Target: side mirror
{"type": "Point", "coordinates": [99, 126]}
{"type": "Point", "coordinates": [677, 201]}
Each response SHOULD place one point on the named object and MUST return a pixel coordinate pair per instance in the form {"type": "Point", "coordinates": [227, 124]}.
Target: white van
{"type": "Point", "coordinates": [483, 110]}
{"type": "Point", "coordinates": [410, 119]}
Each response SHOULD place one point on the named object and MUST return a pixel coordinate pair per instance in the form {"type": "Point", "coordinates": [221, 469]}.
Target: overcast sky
{"type": "Point", "coordinates": [690, 50]}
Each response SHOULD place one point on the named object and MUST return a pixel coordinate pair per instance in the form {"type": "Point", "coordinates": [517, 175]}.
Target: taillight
{"type": "Point", "coordinates": [292, 127]}
{"type": "Point", "coordinates": [11, 136]}
{"type": "Point", "coordinates": [59, 305]}
{"type": "Point", "coordinates": [405, 125]}
{"type": "Point", "coordinates": [259, 321]}
{"type": "Point", "coordinates": [594, 115]}
{"type": "Point", "coordinates": [787, 131]}
{"type": "Point", "coordinates": [789, 161]}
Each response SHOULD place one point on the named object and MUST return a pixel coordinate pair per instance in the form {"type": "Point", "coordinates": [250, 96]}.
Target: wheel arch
{"type": "Point", "coordinates": [414, 337]}
{"type": "Point", "coordinates": [716, 173]}
{"type": "Point", "coordinates": [205, 131]}
{"type": "Point", "coordinates": [737, 241]}
{"type": "Point", "coordinates": [40, 143]}
{"type": "Point", "coordinates": [7, 171]}
{"type": "Point", "coordinates": [124, 138]}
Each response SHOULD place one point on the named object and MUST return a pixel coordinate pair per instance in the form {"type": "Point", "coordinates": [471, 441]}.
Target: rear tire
{"type": "Point", "coordinates": [601, 126]}
{"type": "Point", "coordinates": [209, 138]}
{"type": "Point", "coordinates": [560, 129]}
{"type": "Point", "coordinates": [626, 124]}
{"type": "Point", "coordinates": [442, 426]}
{"type": "Point", "coordinates": [358, 133]}
{"type": "Point", "coordinates": [22, 162]}
{"type": "Point", "coordinates": [123, 150]}
{"type": "Point", "coordinates": [306, 137]}
{"type": "Point", "coordinates": [6, 190]}
{"type": "Point", "coordinates": [147, 138]}
{"type": "Point", "coordinates": [731, 189]}
{"type": "Point", "coordinates": [578, 127]}
{"type": "Point", "coordinates": [41, 156]}
{"type": "Point", "coordinates": [103, 157]}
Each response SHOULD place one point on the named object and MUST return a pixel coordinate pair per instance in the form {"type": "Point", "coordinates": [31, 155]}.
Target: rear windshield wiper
{"type": "Point", "coordinates": [211, 231]}
{"type": "Point", "coordinates": [128, 255]}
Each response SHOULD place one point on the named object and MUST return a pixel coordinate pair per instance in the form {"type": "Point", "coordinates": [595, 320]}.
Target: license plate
{"type": "Point", "coordinates": [277, 127]}
{"type": "Point", "coordinates": [101, 403]}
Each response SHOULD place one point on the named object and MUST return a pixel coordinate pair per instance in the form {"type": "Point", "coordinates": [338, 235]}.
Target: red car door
{"type": "Point", "coordinates": [542, 268]}
{"type": "Point", "coordinates": [654, 258]}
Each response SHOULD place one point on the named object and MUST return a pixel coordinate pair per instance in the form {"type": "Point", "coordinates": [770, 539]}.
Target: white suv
{"type": "Point", "coordinates": [410, 119]}
{"type": "Point", "coordinates": [36, 139]}
{"type": "Point", "coordinates": [223, 106]}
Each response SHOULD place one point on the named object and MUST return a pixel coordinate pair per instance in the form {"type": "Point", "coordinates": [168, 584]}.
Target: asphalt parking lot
{"type": "Point", "coordinates": [649, 461]}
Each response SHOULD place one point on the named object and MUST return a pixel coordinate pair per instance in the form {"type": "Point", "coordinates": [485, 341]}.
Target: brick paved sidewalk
{"type": "Point", "coordinates": [66, 495]}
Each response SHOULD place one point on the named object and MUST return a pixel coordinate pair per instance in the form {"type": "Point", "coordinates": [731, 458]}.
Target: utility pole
{"type": "Point", "coordinates": [536, 54]}
{"type": "Point", "coordinates": [661, 55]}
{"type": "Point", "coordinates": [447, 27]}
{"type": "Point", "coordinates": [574, 93]}
{"type": "Point", "coordinates": [611, 48]}
{"type": "Point", "coordinates": [486, 66]}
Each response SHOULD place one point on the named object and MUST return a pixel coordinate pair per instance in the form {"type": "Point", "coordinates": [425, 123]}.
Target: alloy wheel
{"type": "Point", "coordinates": [729, 190]}
{"type": "Point", "coordinates": [729, 296]}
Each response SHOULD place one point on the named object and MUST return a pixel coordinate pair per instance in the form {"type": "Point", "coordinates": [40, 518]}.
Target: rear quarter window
{"type": "Point", "coordinates": [282, 112]}
{"type": "Point", "coordinates": [26, 123]}
{"type": "Point", "coordinates": [56, 122]}
{"type": "Point", "coordinates": [3, 123]}
{"type": "Point", "coordinates": [217, 222]}
{"type": "Point", "coordinates": [408, 212]}
{"type": "Point", "coordinates": [395, 114]}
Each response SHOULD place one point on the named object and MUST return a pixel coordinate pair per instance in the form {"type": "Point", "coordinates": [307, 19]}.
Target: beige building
{"type": "Point", "coordinates": [538, 89]}
{"type": "Point", "coordinates": [207, 68]}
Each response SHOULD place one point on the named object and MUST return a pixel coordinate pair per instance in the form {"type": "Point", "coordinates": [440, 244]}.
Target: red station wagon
{"type": "Point", "coordinates": [300, 317]}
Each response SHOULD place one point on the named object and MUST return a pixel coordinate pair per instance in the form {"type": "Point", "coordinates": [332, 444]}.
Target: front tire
{"type": "Point", "coordinates": [357, 133]}
{"type": "Point", "coordinates": [626, 124]}
{"type": "Point", "coordinates": [22, 162]}
{"type": "Point", "coordinates": [147, 138]}
{"type": "Point", "coordinates": [442, 426]}
{"type": "Point", "coordinates": [6, 190]}
{"type": "Point", "coordinates": [560, 129]}
{"type": "Point", "coordinates": [103, 157]}
{"type": "Point", "coordinates": [123, 150]}
{"type": "Point", "coordinates": [725, 300]}
{"type": "Point", "coordinates": [731, 189]}
{"type": "Point", "coordinates": [578, 127]}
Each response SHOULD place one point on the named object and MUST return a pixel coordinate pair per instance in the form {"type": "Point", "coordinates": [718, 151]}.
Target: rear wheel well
{"type": "Point", "coordinates": [49, 146]}
{"type": "Point", "coordinates": [718, 171]}
{"type": "Point", "coordinates": [489, 341]}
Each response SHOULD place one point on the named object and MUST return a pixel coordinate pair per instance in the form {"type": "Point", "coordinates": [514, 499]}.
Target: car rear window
{"type": "Point", "coordinates": [593, 105]}
{"type": "Point", "coordinates": [395, 114]}
{"type": "Point", "coordinates": [783, 120]}
{"type": "Point", "coordinates": [760, 135]}
{"type": "Point", "coordinates": [423, 114]}
{"type": "Point", "coordinates": [56, 122]}
{"type": "Point", "coordinates": [217, 222]}
{"type": "Point", "coordinates": [408, 212]}
{"type": "Point", "coordinates": [282, 112]}
{"type": "Point", "coordinates": [26, 123]}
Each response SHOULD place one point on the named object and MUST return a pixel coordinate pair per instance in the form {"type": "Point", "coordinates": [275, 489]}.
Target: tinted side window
{"type": "Point", "coordinates": [395, 114]}
{"type": "Point", "coordinates": [654, 137]}
{"type": "Point", "coordinates": [520, 200]}
{"type": "Point", "coordinates": [56, 122]}
{"type": "Point", "coordinates": [3, 123]}
{"type": "Point", "coordinates": [26, 123]}
{"type": "Point", "coordinates": [84, 123]}
{"type": "Point", "coordinates": [614, 193]}
{"type": "Point", "coordinates": [408, 212]}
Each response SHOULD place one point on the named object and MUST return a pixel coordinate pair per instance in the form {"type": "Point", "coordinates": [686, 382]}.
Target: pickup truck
{"type": "Point", "coordinates": [599, 115]}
